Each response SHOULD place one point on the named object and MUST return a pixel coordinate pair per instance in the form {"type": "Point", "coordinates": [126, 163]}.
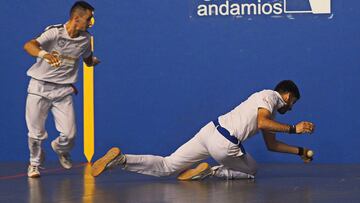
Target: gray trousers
{"type": "Point", "coordinates": [42, 98]}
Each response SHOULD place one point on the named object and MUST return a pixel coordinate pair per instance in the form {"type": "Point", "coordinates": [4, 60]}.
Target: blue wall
{"type": "Point", "coordinates": [165, 73]}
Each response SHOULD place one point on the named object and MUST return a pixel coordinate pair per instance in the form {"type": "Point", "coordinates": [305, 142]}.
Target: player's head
{"type": "Point", "coordinates": [289, 92]}
{"type": "Point", "coordinates": [81, 13]}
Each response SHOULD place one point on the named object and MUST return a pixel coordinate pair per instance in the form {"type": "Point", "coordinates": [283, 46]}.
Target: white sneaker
{"type": "Point", "coordinates": [119, 160]}
{"type": "Point", "coordinates": [111, 159]}
{"type": "Point", "coordinates": [64, 158]}
{"type": "Point", "coordinates": [227, 174]}
{"type": "Point", "coordinates": [33, 171]}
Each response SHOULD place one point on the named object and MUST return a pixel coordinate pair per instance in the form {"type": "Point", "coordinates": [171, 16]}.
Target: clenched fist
{"type": "Point", "coordinates": [305, 127]}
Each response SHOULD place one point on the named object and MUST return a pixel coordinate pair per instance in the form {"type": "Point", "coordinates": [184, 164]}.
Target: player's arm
{"type": "Point", "coordinates": [88, 56]}
{"type": "Point", "coordinates": [33, 48]}
{"type": "Point", "coordinates": [275, 145]}
{"type": "Point", "coordinates": [266, 123]}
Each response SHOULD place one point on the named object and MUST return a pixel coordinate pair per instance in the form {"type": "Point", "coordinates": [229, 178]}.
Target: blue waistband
{"type": "Point", "coordinates": [227, 135]}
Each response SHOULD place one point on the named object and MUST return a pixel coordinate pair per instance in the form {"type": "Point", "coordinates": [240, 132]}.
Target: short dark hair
{"type": "Point", "coordinates": [80, 5]}
{"type": "Point", "coordinates": [288, 86]}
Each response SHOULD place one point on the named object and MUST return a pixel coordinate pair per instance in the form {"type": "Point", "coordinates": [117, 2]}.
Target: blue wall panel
{"type": "Point", "coordinates": [166, 72]}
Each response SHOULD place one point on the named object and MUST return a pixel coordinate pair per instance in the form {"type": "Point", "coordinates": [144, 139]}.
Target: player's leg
{"type": "Point", "coordinates": [64, 116]}
{"type": "Point", "coordinates": [189, 153]}
{"type": "Point", "coordinates": [37, 109]}
{"type": "Point", "coordinates": [235, 162]}
{"type": "Point", "coordinates": [241, 167]}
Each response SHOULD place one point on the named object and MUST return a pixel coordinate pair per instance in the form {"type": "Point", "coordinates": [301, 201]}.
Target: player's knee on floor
{"type": "Point", "coordinates": [252, 168]}
{"type": "Point", "coordinates": [253, 172]}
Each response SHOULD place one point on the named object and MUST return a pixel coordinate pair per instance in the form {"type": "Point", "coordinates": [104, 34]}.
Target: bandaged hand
{"type": "Point", "coordinates": [53, 60]}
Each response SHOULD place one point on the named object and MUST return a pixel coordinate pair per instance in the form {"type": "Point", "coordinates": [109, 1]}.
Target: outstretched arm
{"type": "Point", "coordinates": [266, 123]}
{"type": "Point", "coordinates": [274, 145]}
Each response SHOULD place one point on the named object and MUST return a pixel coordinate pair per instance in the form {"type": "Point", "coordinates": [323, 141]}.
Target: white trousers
{"type": "Point", "coordinates": [43, 97]}
{"type": "Point", "coordinates": [207, 142]}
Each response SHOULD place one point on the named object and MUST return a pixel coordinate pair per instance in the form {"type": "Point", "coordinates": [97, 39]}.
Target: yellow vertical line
{"type": "Point", "coordinates": [89, 186]}
{"type": "Point", "coordinates": [89, 109]}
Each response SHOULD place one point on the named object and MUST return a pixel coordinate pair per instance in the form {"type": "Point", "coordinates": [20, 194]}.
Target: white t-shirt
{"type": "Point", "coordinates": [56, 40]}
{"type": "Point", "coordinates": [241, 122]}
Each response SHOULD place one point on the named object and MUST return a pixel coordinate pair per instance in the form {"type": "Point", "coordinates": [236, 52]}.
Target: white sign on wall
{"type": "Point", "coordinates": [317, 7]}
{"type": "Point", "coordinates": [259, 7]}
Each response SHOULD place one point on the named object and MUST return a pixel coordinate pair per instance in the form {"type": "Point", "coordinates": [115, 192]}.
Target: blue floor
{"type": "Point", "coordinates": [274, 183]}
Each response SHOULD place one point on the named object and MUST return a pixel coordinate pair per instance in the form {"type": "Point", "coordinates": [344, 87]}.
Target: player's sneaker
{"type": "Point", "coordinates": [227, 174]}
{"type": "Point", "coordinates": [33, 171]}
{"type": "Point", "coordinates": [64, 158]}
{"type": "Point", "coordinates": [200, 172]}
{"type": "Point", "coordinates": [112, 158]}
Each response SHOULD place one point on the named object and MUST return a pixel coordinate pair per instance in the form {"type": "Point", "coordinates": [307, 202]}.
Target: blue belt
{"type": "Point", "coordinates": [227, 135]}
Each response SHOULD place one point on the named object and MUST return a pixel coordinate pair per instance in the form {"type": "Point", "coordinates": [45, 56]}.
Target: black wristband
{"type": "Point", "coordinates": [292, 129]}
{"type": "Point", "coordinates": [301, 151]}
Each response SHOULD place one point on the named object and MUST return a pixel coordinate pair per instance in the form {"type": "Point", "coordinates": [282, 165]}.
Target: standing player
{"type": "Point", "coordinates": [58, 50]}
{"type": "Point", "coordinates": [222, 140]}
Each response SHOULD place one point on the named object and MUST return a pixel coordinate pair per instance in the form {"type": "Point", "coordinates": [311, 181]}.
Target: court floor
{"type": "Point", "coordinates": [274, 183]}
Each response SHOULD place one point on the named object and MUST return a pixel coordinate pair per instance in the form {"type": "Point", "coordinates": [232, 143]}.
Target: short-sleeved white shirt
{"type": "Point", "coordinates": [241, 122]}
{"type": "Point", "coordinates": [56, 40]}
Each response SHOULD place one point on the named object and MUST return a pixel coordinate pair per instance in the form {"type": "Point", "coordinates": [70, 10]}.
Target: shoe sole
{"type": "Point", "coordinates": [34, 176]}
{"type": "Point", "coordinates": [192, 174]}
{"type": "Point", "coordinates": [64, 166]}
{"type": "Point", "coordinates": [99, 166]}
